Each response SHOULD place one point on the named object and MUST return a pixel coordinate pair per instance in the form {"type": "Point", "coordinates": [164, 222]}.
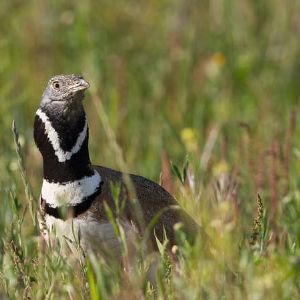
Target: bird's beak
{"type": "Point", "coordinates": [82, 85]}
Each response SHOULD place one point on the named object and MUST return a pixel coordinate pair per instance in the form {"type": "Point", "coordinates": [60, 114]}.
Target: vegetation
{"type": "Point", "coordinates": [199, 95]}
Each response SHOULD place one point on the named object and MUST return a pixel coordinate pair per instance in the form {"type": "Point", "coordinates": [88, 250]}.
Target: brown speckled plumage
{"type": "Point", "coordinates": [152, 198]}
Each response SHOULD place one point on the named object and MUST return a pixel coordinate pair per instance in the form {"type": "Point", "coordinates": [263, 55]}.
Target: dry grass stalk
{"type": "Point", "coordinates": [166, 175]}
{"type": "Point", "coordinates": [257, 222]}
{"type": "Point", "coordinates": [273, 181]}
{"type": "Point", "coordinates": [288, 146]}
{"type": "Point", "coordinates": [119, 155]}
{"type": "Point", "coordinates": [28, 189]}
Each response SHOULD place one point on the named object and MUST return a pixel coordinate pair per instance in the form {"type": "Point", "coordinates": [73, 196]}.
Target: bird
{"type": "Point", "coordinates": [77, 195]}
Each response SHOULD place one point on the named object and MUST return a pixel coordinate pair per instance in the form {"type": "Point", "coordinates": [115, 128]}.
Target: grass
{"type": "Point", "coordinates": [210, 86]}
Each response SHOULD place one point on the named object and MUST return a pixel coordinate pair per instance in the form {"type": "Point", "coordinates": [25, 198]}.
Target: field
{"type": "Point", "coordinates": [201, 96]}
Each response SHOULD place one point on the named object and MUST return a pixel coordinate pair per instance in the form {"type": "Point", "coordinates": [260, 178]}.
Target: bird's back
{"type": "Point", "coordinates": [145, 203]}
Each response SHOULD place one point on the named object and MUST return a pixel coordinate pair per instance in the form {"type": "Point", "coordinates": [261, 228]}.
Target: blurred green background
{"type": "Point", "coordinates": [159, 67]}
{"type": "Point", "coordinates": [173, 78]}
{"type": "Point", "coordinates": [166, 73]}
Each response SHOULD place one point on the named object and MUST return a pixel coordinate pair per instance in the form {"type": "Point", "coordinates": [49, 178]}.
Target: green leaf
{"type": "Point", "coordinates": [176, 172]}
{"type": "Point", "coordinates": [92, 282]}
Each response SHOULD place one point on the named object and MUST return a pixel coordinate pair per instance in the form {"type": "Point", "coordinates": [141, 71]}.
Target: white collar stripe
{"type": "Point", "coordinates": [53, 137]}
{"type": "Point", "coordinates": [70, 193]}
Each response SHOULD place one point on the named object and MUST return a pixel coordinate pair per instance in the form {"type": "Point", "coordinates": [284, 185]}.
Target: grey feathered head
{"type": "Point", "coordinates": [64, 90]}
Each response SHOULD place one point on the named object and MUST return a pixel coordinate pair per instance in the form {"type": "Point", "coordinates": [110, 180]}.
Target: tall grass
{"type": "Point", "coordinates": [200, 94]}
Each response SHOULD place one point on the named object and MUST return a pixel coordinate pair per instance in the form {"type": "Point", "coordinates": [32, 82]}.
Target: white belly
{"type": "Point", "coordinates": [88, 233]}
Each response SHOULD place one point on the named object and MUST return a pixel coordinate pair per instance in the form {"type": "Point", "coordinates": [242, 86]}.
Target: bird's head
{"type": "Point", "coordinates": [64, 91]}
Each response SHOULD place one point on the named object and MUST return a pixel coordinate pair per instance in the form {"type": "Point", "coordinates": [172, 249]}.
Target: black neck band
{"type": "Point", "coordinates": [68, 212]}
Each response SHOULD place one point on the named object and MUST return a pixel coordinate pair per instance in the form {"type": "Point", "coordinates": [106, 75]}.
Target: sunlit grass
{"type": "Point", "coordinates": [204, 92]}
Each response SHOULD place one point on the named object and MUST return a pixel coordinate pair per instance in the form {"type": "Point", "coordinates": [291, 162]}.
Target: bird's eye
{"type": "Point", "coordinates": [56, 85]}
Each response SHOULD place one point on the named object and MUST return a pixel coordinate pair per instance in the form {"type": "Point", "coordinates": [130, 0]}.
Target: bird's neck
{"type": "Point", "coordinates": [62, 139]}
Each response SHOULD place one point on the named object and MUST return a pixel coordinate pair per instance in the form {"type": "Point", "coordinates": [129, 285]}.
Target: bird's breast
{"type": "Point", "coordinates": [92, 235]}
